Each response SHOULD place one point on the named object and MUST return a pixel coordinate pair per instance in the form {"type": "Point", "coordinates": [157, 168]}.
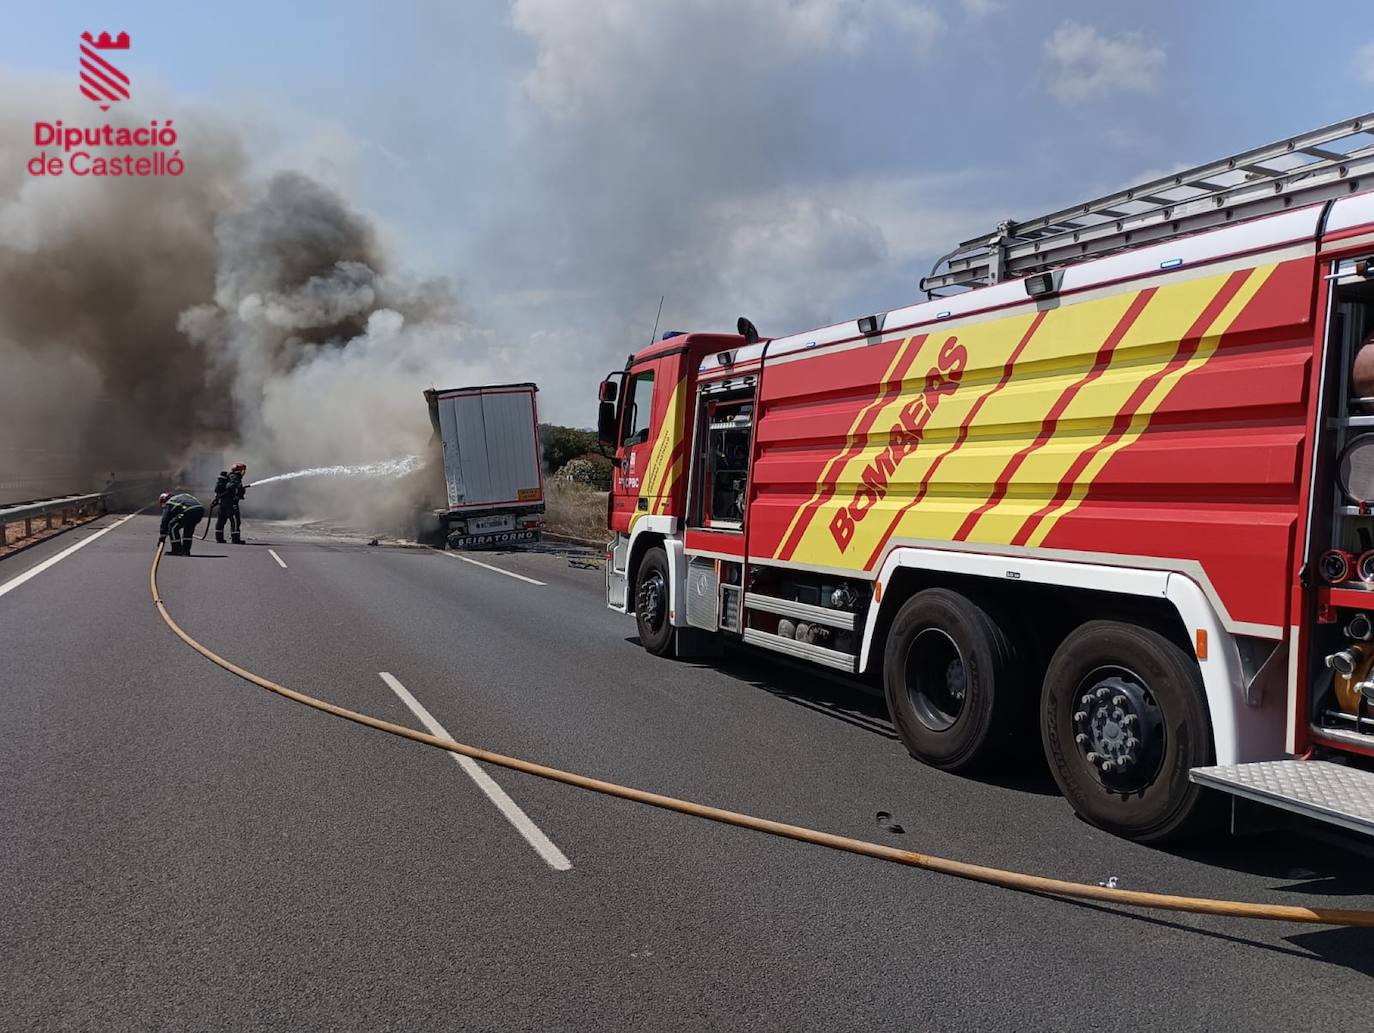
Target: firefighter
{"type": "Point", "coordinates": [180, 514]}
{"type": "Point", "coordinates": [229, 491]}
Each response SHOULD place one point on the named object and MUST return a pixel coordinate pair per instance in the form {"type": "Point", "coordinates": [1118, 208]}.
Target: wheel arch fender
{"type": "Point", "coordinates": [1242, 731]}
{"type": "Point", "coordinates": [651, 531]}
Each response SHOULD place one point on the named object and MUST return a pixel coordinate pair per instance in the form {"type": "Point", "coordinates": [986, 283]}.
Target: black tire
{"type": "Point", "coordinates": [1139, 791]}
{"type": "Point", "coordinates": [651, 603]}
{"type": "Point", "coordinates": [942, 723]}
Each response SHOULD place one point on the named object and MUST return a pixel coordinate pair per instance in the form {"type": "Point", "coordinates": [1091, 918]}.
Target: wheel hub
{"type": "Point", "coordinates": [954, 680]}
{"type": "Point", "coordinates": [649, 600]}
{"type": "Point", "coordinates": [1118, 729]}
{"type": "Point", "coordinates": [936, 679]}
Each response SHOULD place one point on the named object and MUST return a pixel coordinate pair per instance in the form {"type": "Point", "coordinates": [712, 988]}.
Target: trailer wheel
{"type": "Point", "coordinates": [651, 603]}
{"type": "Point", "coordinates": [1123, 719]}
{"type": "Point", "coordinates": [945, 673]}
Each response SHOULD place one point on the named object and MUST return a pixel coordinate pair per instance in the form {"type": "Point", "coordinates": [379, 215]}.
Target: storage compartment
{"type": "Point", "coordinates": [1341, 673]}
{"type": "Point", "coordinates": [723, 450]}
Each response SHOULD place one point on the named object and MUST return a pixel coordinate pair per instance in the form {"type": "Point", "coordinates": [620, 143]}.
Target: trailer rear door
{"type": "Point", "coordinates": [491, 447]}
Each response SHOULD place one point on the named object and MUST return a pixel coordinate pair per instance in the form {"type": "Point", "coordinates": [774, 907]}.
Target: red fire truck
{"type": "Point", "coordinates": [1108, 486]}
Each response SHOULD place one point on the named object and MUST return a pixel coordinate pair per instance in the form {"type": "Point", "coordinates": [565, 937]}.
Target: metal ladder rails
{"type": "Point", "coordinates": [1304, 169]}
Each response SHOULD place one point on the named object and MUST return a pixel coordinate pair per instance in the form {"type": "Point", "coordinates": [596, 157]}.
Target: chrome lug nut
{"type": "Point", "coordinates": [1081, 738]}
{"type": "Point", "coordinates": [1118, 701]}
{"type": "Point", "coordinates": [1087, 700]}
{"type": "Point", "coordinates": [1103, 693]}
{"type": "Point", "coordinates": [1093, 758]}
{"type": "Point", "coordinates": [1130, 720]}
{"type": "Point", "coordinates": [1080, 716]}
{"type": "Point", "coordinates": [1108, 767]}
{"type": "Point", "coordinates": [1132, 742]}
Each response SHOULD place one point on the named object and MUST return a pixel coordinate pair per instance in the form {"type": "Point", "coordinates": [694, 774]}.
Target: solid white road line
{"type": "Point", "coordinates": [34, 571]}
{"type": "Point", "coordinates": [277, 558]}
{"type": "Point", "coordinates": [543, 846]}
{"type": "Point", "coordinates": [499, 570]}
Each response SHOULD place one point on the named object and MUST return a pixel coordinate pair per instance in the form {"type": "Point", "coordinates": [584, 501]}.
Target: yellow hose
{"type": "Point", "coordinates": [975, 872]}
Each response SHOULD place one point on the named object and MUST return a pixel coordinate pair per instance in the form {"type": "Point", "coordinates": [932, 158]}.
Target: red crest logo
{"type": "Point", "coordinates": [101, 81]}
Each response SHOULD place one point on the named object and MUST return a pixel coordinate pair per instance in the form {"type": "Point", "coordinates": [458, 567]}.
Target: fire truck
{"type": "Point", "coordinates": [1106, 490]}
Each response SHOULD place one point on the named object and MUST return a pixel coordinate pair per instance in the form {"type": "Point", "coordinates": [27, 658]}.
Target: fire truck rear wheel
{"type": "Point", "coordinates": [1123, 719]}
{"type": "Point", "coordinates": [651, 603]}
{"type": "Point", "coordinates": [946, 671]}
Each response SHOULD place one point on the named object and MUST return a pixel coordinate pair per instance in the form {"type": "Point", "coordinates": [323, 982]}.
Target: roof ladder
{"type": "Point", "coordinates": [1304, 169]}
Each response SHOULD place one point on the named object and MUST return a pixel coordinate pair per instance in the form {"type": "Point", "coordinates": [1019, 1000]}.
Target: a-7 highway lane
{"type": "Point", "coordinates": [181, 850]}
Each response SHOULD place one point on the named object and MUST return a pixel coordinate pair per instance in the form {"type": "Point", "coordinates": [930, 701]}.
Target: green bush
{"type": "Point", "coordinates": [592, 470]}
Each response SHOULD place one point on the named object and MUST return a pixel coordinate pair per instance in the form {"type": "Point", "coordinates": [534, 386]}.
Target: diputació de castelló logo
{"type": "Point", "coordinates": [105, 150]}
{"type": "Point", "coordinates": [101, 81]}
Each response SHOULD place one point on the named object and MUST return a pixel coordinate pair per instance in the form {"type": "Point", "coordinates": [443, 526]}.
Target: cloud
{"type": "Point", "coordinates": [805, 251]}
{"type": "Point", "coordinates": [980, 8]}
{"type": "Point", "coordinates": [1084, 63]}
{"type": "Point", "coordinates": [670, 149]}
{"type": "Point", "coordinates": [588, 53]}
{"type": "Point", "coordinates": [1364, 62]}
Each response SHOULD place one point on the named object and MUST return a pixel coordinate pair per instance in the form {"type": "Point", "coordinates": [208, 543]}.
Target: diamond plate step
{"type": "Point", "coordinates": [1318, 789]}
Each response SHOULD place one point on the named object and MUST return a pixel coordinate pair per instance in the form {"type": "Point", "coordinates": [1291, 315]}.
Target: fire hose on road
{"type": "Point", "coordinates": [1018, 881]}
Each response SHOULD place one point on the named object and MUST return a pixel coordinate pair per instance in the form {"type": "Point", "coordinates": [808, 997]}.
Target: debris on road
{"type": "Point", "coordinates": [885, 822]}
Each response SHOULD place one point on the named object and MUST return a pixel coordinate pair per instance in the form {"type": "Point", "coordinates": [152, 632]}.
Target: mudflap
{"type": "Point", "coordinates": [617, 576]}
{"type": "Point", "coordinates": [693, 644]}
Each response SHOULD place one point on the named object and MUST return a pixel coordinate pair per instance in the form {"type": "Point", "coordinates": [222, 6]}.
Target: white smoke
{"type": "Point", "coordinates": [325, 351]}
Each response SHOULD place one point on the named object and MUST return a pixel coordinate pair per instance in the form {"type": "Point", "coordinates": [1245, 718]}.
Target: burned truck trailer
{"type": "Point", "coordinates": [493, 478]}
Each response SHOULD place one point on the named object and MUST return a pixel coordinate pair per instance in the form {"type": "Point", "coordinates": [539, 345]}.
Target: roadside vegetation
{"type": "Point", "coordinates": [577, 479]}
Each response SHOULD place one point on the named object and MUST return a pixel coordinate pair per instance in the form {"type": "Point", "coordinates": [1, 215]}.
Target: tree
{"type": "Point", "coordinates": [561, 445]}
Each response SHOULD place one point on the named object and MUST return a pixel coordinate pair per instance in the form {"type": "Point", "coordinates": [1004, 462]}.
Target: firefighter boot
{"type": "Point", "coordinates": [219, 537]}
{"type": "Point", "coordinates": [235, 539]}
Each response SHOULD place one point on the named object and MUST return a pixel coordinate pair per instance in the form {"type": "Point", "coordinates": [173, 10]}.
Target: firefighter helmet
{"type": "Point", "coordinates": [238, 468]}
{"type": "Point", "coordinates": [162, 499]}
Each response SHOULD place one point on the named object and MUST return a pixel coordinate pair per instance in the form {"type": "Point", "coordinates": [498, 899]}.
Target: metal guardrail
{"type": "Point", "coordinates": [15, 489]}
{"type": "Point", "coordinates": [67, 506]}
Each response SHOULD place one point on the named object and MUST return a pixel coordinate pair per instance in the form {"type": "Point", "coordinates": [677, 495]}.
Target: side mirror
{"type": "Point", "coordinates": [606, 422]}
{"type": "Point", "coordinates": [608, 391]}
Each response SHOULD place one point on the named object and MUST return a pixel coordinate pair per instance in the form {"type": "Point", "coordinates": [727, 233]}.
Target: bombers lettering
{"type": "Point", "coordinates": [903, 439]}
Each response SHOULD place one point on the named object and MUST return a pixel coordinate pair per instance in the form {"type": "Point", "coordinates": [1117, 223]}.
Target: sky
{"type": "Point", "coordinates": [567, 162]}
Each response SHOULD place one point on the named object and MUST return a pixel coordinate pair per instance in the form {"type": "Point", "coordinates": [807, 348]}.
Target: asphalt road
{"type": "Point", "coordinates": [180, 850]}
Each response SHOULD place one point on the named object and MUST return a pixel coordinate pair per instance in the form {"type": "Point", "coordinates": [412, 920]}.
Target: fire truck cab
{"type": "Point", "coordinates": [1107, 487]}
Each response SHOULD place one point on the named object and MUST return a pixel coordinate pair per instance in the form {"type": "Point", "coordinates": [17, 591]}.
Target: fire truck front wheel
{"type": "Point", "coordinates": [946, 673]}
{"type": "Point", "coordinates": [651, 603]}
{"type": "Point", "coordinates": [1123, 719]}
